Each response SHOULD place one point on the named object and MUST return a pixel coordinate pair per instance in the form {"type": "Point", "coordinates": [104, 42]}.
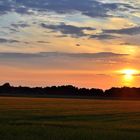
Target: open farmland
{"type": "Point", "coordinates": [68, 119]}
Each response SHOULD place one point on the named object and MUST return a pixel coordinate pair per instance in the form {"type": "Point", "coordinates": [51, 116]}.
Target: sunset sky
{"type": "Point", "coordinates": [86, 43]}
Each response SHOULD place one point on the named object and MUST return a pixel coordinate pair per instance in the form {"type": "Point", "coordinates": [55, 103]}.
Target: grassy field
{"type": "Point", "coordinates": [68, 119]}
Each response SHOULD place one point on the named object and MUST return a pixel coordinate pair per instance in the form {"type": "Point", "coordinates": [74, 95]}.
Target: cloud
{"type": "Point", "coordinates": [68, 29]}
{"type": "Point", "coordinates": [110, 33]}
{"type": "Point", "coordinates": [20, 25]}
{"type": "Point", "coordinates": [103, 36]}
{"type": "Point", "coordinates": [13, 5]}
{"type": "Point", "coordinates": [92, 8]}
{"type": "Point", "coordinates": [137, 75]}
{"type": "Point", "coordinates": [43, 42]}
{"type": "Point", "coordinates": [3, 40]}
{"type": "Point", "coordinates": [5, 6]}
{"type": "Point", "coordinates": [129, 44]}
{"type": "Point", "coordinates": [61, 60]}
{"type": "Point", "coordinates": [23, 10]}
{"type": "Point", "coordinates": [126, 31]}
{"type": "Point", "coordinates": [88, 7]}
{"type": "Point", "coordinates": [61, 55]}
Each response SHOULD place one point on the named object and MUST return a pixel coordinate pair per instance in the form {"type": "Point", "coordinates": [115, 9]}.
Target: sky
{"type": "Point", "coordinates": [85, 43]}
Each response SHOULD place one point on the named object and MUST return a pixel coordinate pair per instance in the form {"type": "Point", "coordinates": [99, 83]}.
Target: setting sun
{"type": "Point", "coordinates": [129, 72]}
{"type": "Point", "coordinates": [128, 76]}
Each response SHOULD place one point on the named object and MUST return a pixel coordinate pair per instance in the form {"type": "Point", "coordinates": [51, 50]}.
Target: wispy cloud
{"type": "Point", "coordinates": [4, 40]}
{"type": "Point", "coordinates": [103, 36]}
{"type": "Point", "coordinates": [20, 25]}
{"type": "Point", "coordinates": [61, 60]}
{"type": "Point", "coordinates": [127, 31]}
{"type": "Point", "coordinates": [61, 54]}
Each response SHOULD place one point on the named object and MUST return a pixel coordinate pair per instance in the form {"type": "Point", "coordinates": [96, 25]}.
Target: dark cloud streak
{"type": "Point", "coordinates": [68, 29]}
{"type": "Point", "coordinates": [127, 31]}
{"type": "Point", "coordinates": [103, 36]}
{"type": "Point", "coordinates": [61, 54]}
{"type": "Point", "coordinates": [3, 40]}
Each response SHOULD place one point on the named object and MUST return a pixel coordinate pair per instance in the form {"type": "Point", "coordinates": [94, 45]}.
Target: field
{"type": "Point", "coordinates": [68, 119]}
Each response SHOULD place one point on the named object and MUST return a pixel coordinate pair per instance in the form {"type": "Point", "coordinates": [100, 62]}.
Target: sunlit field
{"type": "Point", "coordinates": [68, 119]}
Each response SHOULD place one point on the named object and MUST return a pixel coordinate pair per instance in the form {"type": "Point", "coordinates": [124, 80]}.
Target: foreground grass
{"type": "Point", "coordinates": [68, 119]}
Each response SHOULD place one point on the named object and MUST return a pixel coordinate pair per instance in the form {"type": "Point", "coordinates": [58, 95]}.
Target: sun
{"type": "Point", "coordinates": [128, 75]}
{"type": "Point", "coordinates": [129, 72]}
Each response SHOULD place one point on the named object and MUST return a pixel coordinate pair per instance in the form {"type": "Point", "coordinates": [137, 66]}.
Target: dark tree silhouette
{"type": "Point", "coordinates": [70, 91]}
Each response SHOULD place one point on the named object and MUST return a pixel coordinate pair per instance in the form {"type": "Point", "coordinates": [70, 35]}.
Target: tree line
{"type": "Point", "coordinates": [69, 90]}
